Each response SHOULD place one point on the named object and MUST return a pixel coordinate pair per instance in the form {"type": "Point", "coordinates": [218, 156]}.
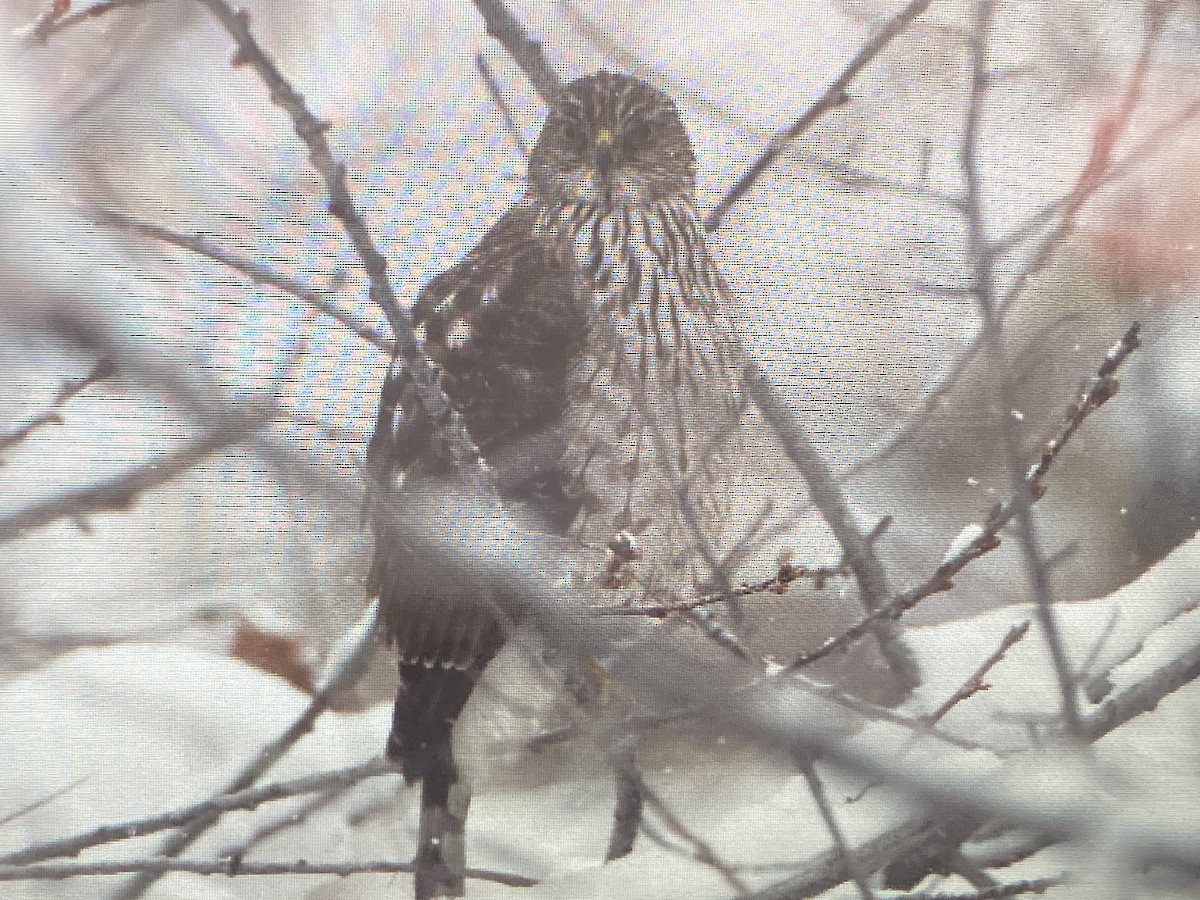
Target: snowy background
{"type": "Point", "coordinates": [146, 654]}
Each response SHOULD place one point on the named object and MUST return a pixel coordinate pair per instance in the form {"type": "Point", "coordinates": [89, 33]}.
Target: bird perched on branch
{"type": "Point", "coordinates": [582, 344]}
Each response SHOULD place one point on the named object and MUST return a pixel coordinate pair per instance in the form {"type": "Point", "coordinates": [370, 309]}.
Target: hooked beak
{"type": "Point", "coordinates": [604, 153]}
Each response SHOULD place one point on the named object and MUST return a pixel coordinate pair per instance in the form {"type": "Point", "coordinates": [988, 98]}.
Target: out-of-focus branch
{"type": "Point", "coordinates": [817, 789]}
{"type": "Point", "coordinates": [349, 663]}
{"type": "Point", "coordinates": [120, 491]}
{"type": "Point", "coordinates": [52, 415]}
{"type": "Point", "coordinates": [525, 51]}
{"type": "Point", "coordinates": [1000, 891]}
{"type": "Point", "coordinates": [977, 541]}
{"type": "Point", "coordinates": [58, 16]}
{"type": "Point", "coordinates": [247, 799]}
{"type": "Point", "coordinates": [251, 268]}
{"type": "Point", "coordinates": [834, 96]}
{"type": "Point", "coordinates": [155, 867]}
{"type": "Point", "coordinates": [701, 851]}
{"type": "Point", "coordinates": [451, 431]}
{"type": "Point", "coordinates": [493, 86]}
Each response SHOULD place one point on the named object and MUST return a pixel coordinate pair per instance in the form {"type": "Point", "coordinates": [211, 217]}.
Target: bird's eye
{"type": "Point", "coordinates": [635, 136]}
{"type": "Point", "coordinates": [573, 137]}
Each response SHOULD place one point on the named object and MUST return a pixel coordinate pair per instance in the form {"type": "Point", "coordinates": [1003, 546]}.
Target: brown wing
{"type": "Point", "coordinates": [506, 326]}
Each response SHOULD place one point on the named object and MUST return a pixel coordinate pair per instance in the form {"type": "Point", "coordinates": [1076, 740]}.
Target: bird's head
{"type": "Point", "coordinates": [613, 140]}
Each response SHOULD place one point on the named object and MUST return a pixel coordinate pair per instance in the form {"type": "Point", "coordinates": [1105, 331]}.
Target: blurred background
{"type": "Point", "coordinates": [849, 259]}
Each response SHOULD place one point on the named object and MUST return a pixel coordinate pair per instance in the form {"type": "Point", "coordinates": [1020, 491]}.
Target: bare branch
{"type": "Point", "coordinates": [525, 51]}
{"type": "Point", "coordinates": [451, 431]}
{"type": "Point", "coordinates": [701, 850]}
{"type": "Point", "coordinates": [1144, 696]}
{"type": "Point", "coordinates": [828, 498]}
{"type": "Point", "coordinates": [834, 96]}
{"type": "Point", "coordinates": [985, 539]}
{"type": "Point", "coordinates": [493, 87]}
{"type": "Point", "coordinates": [817, 789]}
{"type": "Point", "coordinates": [56, 18]}
{"type": "Point", "coordinates": [158, 866]}
{"type": "Point", "coordinates": [775, 584]}
{"type": "Point", "coordinates": [1012, 889]}
{"type": "Point", "coordinates": [121, 491]}
{"type": "Point", "coordinates": [358, 644]}
{"type": "Point", "coordinates": [251, 268]}
{"type": "Point", "coordinates": [984, 288]}
{"type": "Point", "coordinates": [974, 683]}
{"type": "Point", "coordinates": [53, 414]}
{"type": "Point", "coordinates": [214, 806]}
{"type": "Point", "coordinates": [41, 801]}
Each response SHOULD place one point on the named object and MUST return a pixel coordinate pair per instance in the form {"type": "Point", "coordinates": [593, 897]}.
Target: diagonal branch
{"type": "Point", "coordinates": [52, 415]}
{"type": "Point", "coordinates": [247, 799]}
{"type": "Point", "coordinates": [975, 541]}
{"type": "Point", "coordinates": [525, 51]}
{"type": "Point", "coordinates": [451, 432]}
{"type": "Point", "coordinates": [120, 491]}
{"type": "Point", "coordinates": [834, 96]}
{"type": "Point", "coordinates": [251, 268]}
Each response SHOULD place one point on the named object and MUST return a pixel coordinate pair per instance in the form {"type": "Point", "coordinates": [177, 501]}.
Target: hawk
{"type": "Point", "coordinates": [582, 343]}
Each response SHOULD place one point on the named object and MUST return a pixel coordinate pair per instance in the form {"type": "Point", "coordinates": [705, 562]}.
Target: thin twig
{"type": "Point", "coordinates": [829, 499]}
{"type": "Point", "coordinates": [356, 647]}
{"type": "Point", "coordinates": [779, 583]}
{"type": "Point", "coordinates": [251, 268]}
{"type": "Point", "coordinates": [493, 86]}
{"type": "Point", "coordinates": [56, 18]}
{"type": "Point", "coordinates": [120, 491]}
{"type": "Point", "coordinates": [969, 688]}
{"type": "Point", "coordinates": [817, 789]}
{"type": "Point", "coordinates": [834, 96]}
{"type": "Point", "coordinates": [158, 866]}
{"type": "Point", "coordinates": [984, 285]}
{"type": "Point", "coordinates": [247, 799]}
{"type": "Point", "coordinates": [41, 801]}
{"type": "Point", "coordinates": [702, 852]}
{"type": "Point", "coordinates": [985, 539]}
{"type": "Point", "coordinates": [52, 415]}
{"type": "Point", "coordinates": [1143, 696]}
{"type": "Point", "coordinates": [974, 683]}
{"type": "Point", "coordinates": [525, 51]}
